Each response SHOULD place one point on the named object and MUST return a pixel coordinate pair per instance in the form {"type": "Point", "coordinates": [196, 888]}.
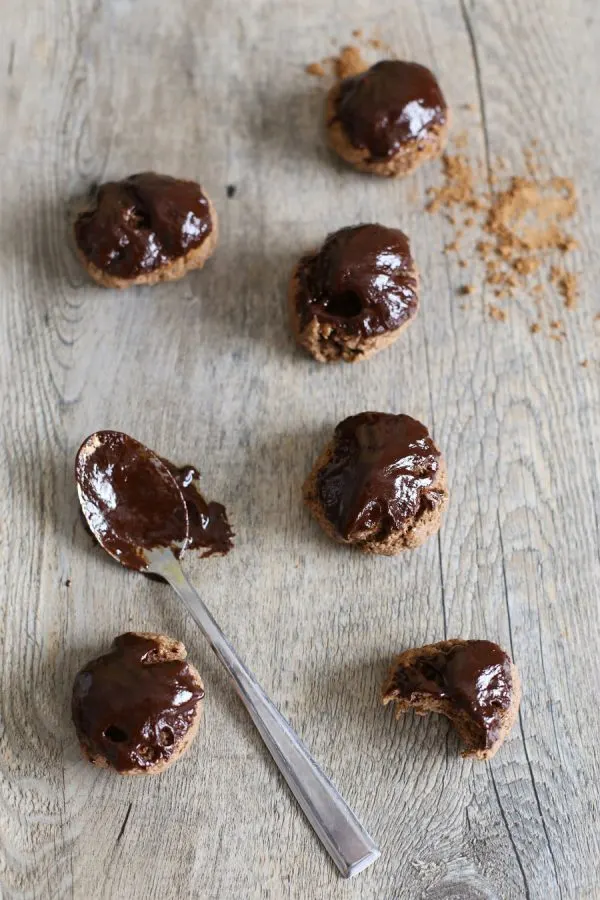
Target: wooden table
{"type": "Point", "coordinates": [205, 371]}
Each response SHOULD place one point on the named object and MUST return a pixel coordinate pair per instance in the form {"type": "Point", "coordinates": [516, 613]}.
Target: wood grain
{"type": "Point", "coordinates": [205, 371]}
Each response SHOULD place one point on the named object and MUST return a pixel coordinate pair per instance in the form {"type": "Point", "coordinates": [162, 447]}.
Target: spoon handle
{"type": "Point", "coordinates": [347, 842]}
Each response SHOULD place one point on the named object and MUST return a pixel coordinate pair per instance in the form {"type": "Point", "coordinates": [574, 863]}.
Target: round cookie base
{"type": "Point", "coordinates": [413, 154]}
{"type": "Point", "coordinates": [326, 344]}
{"type": "Point", "coordinates": [173, 271]}
{"type": "Point", "coordinates": [423, 704]}
{"type": "Point", "coordinates": [415, 533]}
{"type": "Point", "coordinates": [169, 650]}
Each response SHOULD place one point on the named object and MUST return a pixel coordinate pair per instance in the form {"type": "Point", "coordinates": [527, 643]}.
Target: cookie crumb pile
{"type": "Point", "coordinates": [520, 222]}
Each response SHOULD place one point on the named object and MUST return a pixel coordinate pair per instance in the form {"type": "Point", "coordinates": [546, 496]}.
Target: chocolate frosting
{"type": "Point", "coordinates": [208, 526]}
{"type": "Point", "coordinates": [473, 675]}
{"type": "Point", "coordinates": [362, 281]}
{"type": "Point", "coordinates": [143, 222]}
{"type": "Point", "coordinates": [389, 105]}
{"type": "Point", "coordinates": [380, 476]}
{"type": "Point", "coordinates": [131, 707]}
{"type": "Point", "coordinates": [134, 501]}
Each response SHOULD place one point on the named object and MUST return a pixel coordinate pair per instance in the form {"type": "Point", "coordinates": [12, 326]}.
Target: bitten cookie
{"type": "Point", "coordinates": [388, 119]}
{"type": "Point", "coordinates": [474, 683]}
{"type": "Point", "coordinates": [145, 229]}
{"type": "Point", "coordinates": [137, 708]}
{"type": "Point", "coordinates": [379, 485]}
{"type": "Point", "coordinates": [354, 295]}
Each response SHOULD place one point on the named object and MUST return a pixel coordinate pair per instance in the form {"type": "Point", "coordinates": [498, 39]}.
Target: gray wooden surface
{"type": "Point", "coordinates": [205, 371]}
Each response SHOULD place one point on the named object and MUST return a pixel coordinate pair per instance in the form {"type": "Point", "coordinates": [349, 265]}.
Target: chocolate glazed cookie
{"type": "Point", "coordinates": [389, 119]}
{"type": "Point", "coordinates": [474, 683]}
{"type": "Point", "coordinates": [145, 229]}
{"type": "Point", "coordinates": [355, 294]}
{"type": "Point", "coordinates": [379, 485]}
{"type": "Point", "coordinates": [137, 708]}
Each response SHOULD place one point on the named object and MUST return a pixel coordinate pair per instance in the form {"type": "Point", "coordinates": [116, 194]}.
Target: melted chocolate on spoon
{"type": "Point", "coordinates": [135, 501]}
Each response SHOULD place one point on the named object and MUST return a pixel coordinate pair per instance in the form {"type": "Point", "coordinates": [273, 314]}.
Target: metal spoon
{"type": "Point", "coordinates": [122, 530]}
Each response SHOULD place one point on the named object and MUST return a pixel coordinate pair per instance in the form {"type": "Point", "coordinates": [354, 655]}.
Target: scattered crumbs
{"type": "Point", "coordinates": [461, 140]}
{"type": "Point", "coordinates": [462, 263]}
{"type": "Point", "coordinates": [568, 244]}
{"type": "Point", "coordinates": [526, 265]}
{"type": "Point", "coordinates": [357, 33]}
{"type": "Point", "coordinates": [466, 289]}
{"type": "Point", "coordinates": [556, 337]}
{"type": "Point", "coordinates": [535, 328]}
{"type": "Point", "coordinates": [566, 285]}
{"type": "Point", "coordinates": [457, 189]}
{"type": "Point", "coordinates": [556, 324]}
{"type": "Point", "coordinates": [376, 43]}
{"type": "Point", "coordinates": [515, 227]}
{"type": "Point", "coordinates": [584, 363]}
{"type": "Point", "coordinates": [349, 62]}
{"type": "Point", "coordinates": [499, 315]}
{"type": "Point", "coordinates": [316, 68]}
{"type": "Point", "coordinates": [231, 189]}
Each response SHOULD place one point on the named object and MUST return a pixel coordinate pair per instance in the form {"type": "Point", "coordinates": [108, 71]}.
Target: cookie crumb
{"type": "Point", "coordinates": [349, 62]}
{"type": "Point", "coordinates": [535, 327]}
{"type": "Point", "coordinates": [499, 315]}
{"type": "Point", "coordinates": [316, 68]}
{"type": "Point", "coordinates": [357, 33]}
{"type": "Point", "coordinates": [516, 225]}
{"type": "Point", "coordinates": [584, 363]}
{"type": "Point", "coordinates": [458, 189]}
{"type": "Point", "coordinates": [566, 284]}
{"type": "Point", "coordinates": [466, 289]}
{"type": "Point", "coordinates": [231, 190]}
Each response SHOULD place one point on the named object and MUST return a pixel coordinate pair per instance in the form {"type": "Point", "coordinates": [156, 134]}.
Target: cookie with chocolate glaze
{"type": "Point", "coordinates": [145, 229]}
{"type": "Point", "coordinates": [355, 294]}
{"type": "Point", "coordinates": [379, 485]}
{"type": "Point", "coordinates": [474, 683]}
{"type": "Point", "coordinates": [137, 708]}
{"type": "Point", "coordinates": [389, 119]}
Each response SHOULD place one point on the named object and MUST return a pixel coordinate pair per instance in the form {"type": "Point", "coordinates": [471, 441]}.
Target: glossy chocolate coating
{"type": "Point", "coordinates": [379, 477]}
{"type": "Point", "coordinates": [142, 223]}
{"type": "Point", "coordinates": [362, 281]}
{"type": "Point", "coordinates": [135, 501]}
{"type": "Point", "coordinates": [389, 105]}
{"type": "Point", "coordinates": [132, 708]}
{"type": "Point", "coordinates": [208, 526]}
{"type": "Point", "coordinates": [473, 675]}
{"type": "Point", "coordinates": [129, 498]}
